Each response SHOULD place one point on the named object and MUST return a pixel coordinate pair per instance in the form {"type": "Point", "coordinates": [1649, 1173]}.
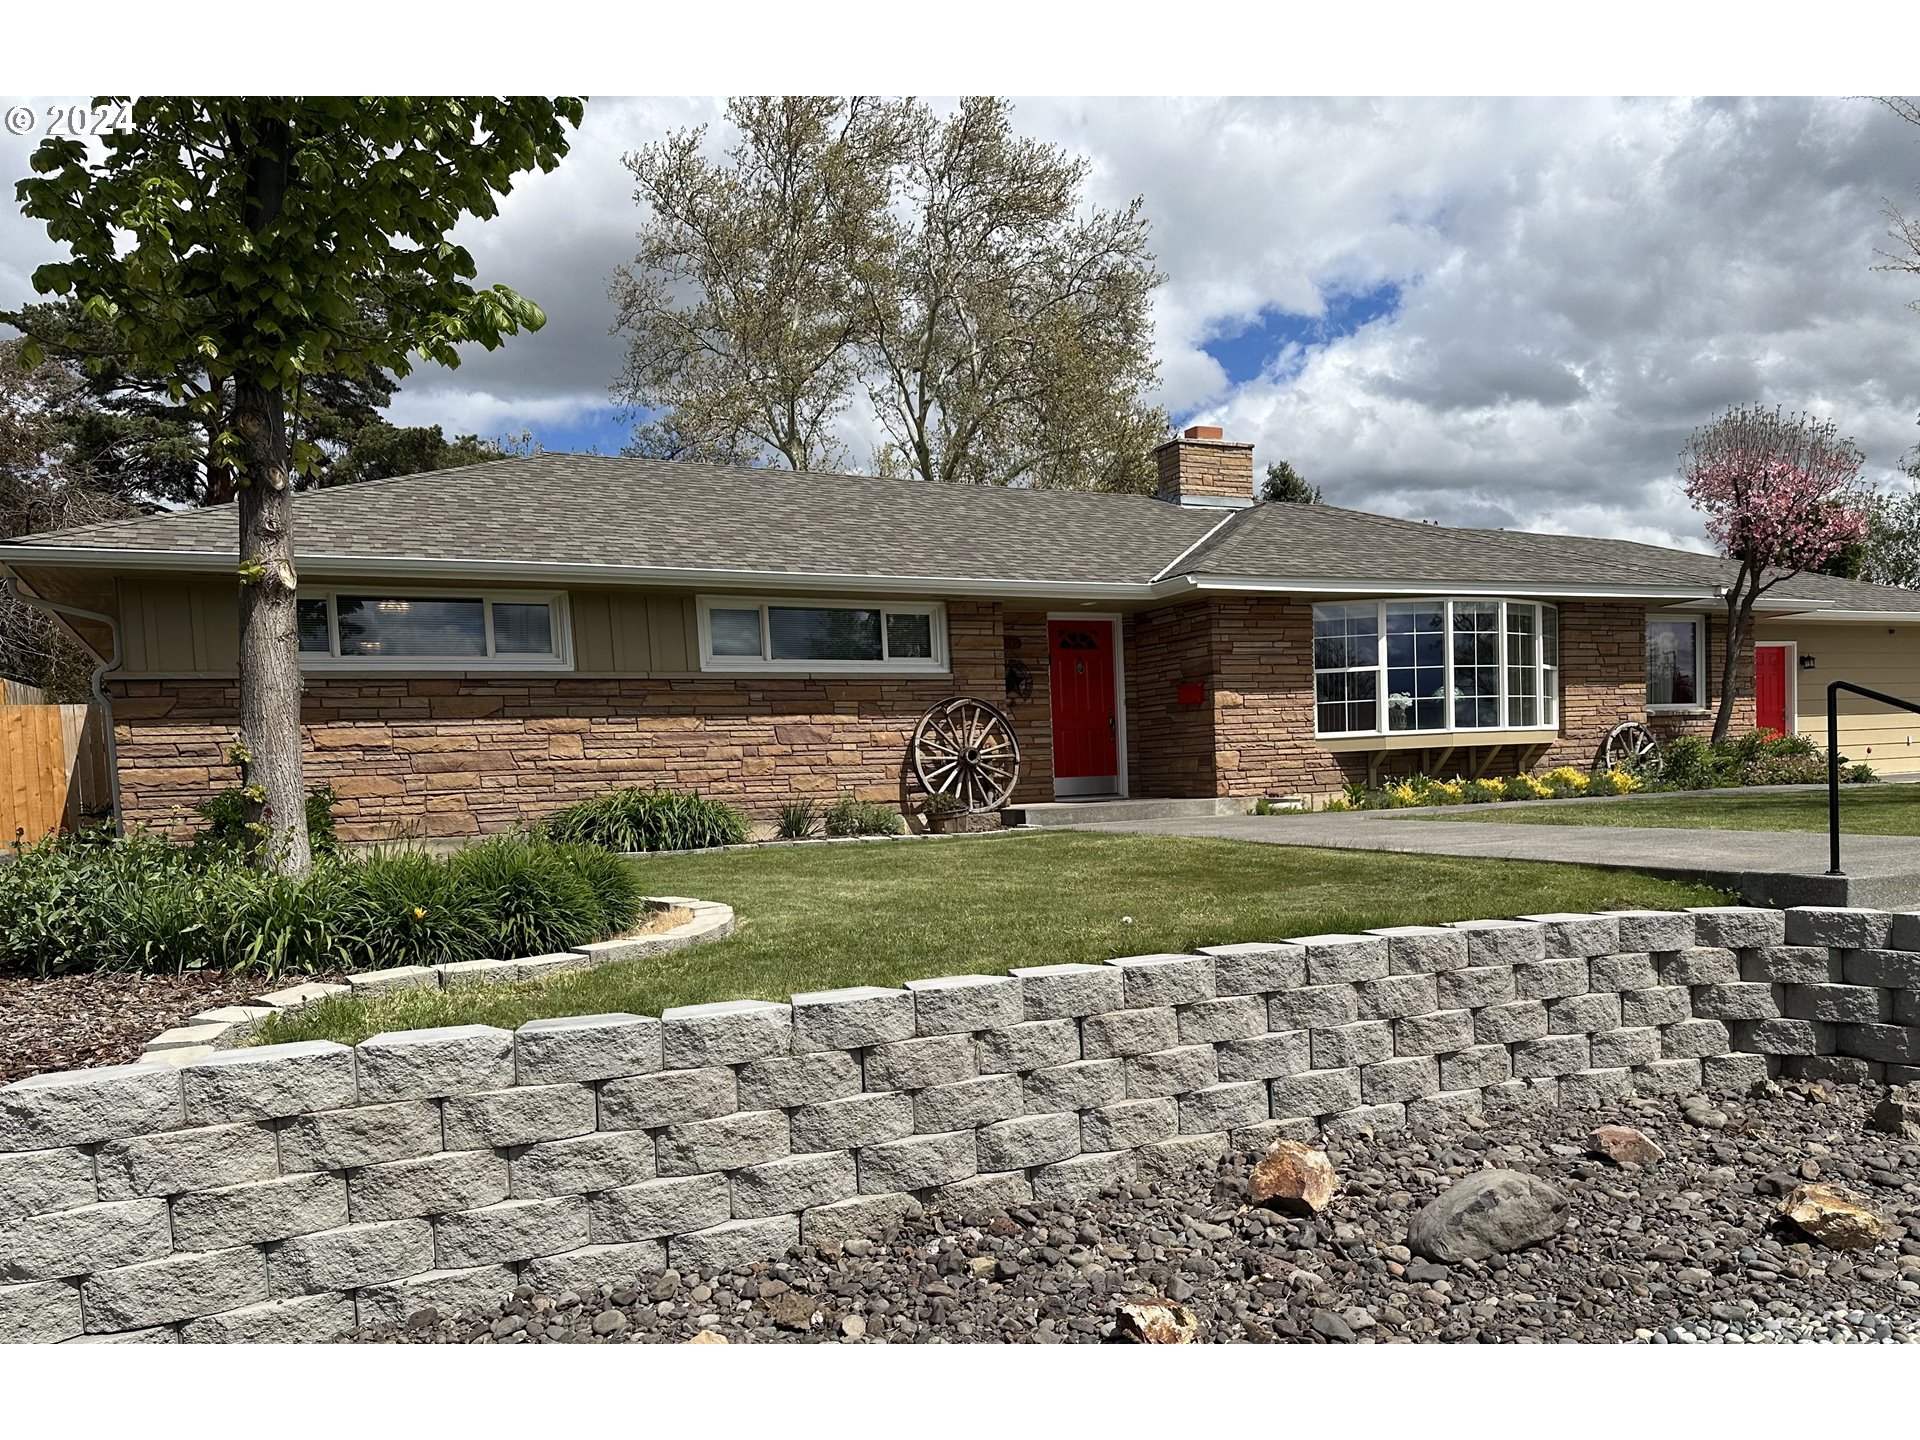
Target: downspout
{"type": "Point", "coordinates": [97, 684]}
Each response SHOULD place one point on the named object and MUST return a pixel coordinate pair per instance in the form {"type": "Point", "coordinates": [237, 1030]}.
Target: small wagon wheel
{"type": "Point", "coordinates": [1631, 744]}
{"type": "Point", "coordinates": [967, 749]}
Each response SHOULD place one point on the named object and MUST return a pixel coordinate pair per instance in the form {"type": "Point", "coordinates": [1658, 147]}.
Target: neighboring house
{"type": "Point", "coordinates": [484, 645]}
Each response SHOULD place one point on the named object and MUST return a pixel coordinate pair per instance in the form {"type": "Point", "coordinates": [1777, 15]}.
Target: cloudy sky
{"type": "Point", "coordinates": [1495, 313]}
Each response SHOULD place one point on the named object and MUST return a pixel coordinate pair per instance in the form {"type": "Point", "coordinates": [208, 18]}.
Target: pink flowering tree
{"type": "Point", "coordinates": [1781, 495]}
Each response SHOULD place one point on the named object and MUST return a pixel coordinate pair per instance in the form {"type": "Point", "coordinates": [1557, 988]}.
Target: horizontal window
{"type": "Point", "coordinates": [1388, 667]}
{"type": "Point", "coordinates": [810, 636]}
{"type": "Point", "coordinates": [372, 629]}
{"type": "Point", "coordinates": [1676, 652]}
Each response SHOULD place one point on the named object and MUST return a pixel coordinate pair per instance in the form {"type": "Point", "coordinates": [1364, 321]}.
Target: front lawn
{"type": "Point", "coordinates": [826, 916]}
{"type": "Point", "coordinates": [1880, 810]}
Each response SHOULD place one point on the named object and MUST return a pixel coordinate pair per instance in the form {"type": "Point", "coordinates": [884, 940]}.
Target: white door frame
{"type": "Point", "coordinates": [1119, 694]}
{"type": "Point", "coordinates": [1793, 683]}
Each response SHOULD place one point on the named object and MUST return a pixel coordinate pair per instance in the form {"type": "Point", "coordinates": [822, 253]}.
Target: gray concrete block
{"type": "Point", "coordinates": [363, 1135]}
{"type": "Point", "coordinates": [1589, 1089]}
{"type": "Point", "coordinates": [1219, 1108]}
{"type": "Point", "coordinates": [917, 1162]}
{"type": "Point", "coordinates": [605, 1160]}
{"type": "Point", "coordinates": [963, 1004]}
{"type": "Point", "coordinates": [586, 1047]}
{"type": "Point", "coordinates": [1515, 1020]}
{"type": "Point", "coordinates": [1777, 1037]}
{"type": "Point", "coordinates": [65, 1243]}
{"type": "Point", "coordinates": [179, 1287]}
{"type": "Point", "coordinates": [725, 1142]}
{"type": "Point", "coordinates": [84, 1107]}
{"type": "Point", "coordinates": [1906, 1007]}
{"type": "Point", "coordinates": [1171, 1072]}
{"type": "Point", "coordinates": [1896, 969]}
{"type": "Point", "coordinates": [1739, 1001]}
{"type": "Point", "coordinates": [1553, 1056]}
{"type": "Point", "coordinates": [350, 1257]}
{"type": "Point", "coordinates": [1841, 1069]}
{"type": "Point", "coordinates": [1666, 1005]}
{"type": "Point", "coordinates": [1839, 1004]}
{"type": "Point", "coordinates": [301, 1320]}
{"type": "Point", "coordinates": [1579, 937]}
{"type": "Point", "coordinates": [1423, 949]}
{"type": "Point", "coordinates": [851, 1019]}
{"type": "Point", "coordinates": [255, 1213]}
{"type": "Point", "coordinates": [980, 1197]}
{"type": "Point", "coordinates": [1551, 979]}
{"type": "Point", "coordinates": [431, 1185]}
{"type": "Point", "coordinates": [1632, 970]}
{"type": "Point", "coordinates": [1636, 1045]}
{"type": "Point", "coordinates": [176, 1161]}
{"type": "Point", "coordinates": [968, 1104]}
{"type": "Point", "coordinates": [1474, 1068]}
{"type": "Point", "coordinates": [654, 1209]}
{"type": "Point", "coordinates": [1031, 1045]}
{"type": "Point", "coordinates": [1120, 1033]}
{"type": "Point", "coordinates": [1646, 930]}
{"type": "Point", "coordinates": [42, 1313]}
{"type": "Point", "coordinates": [1313, 1093]}
{"type": "Point", "coordinates": [1256, 968]}
{"type": "Point", "coordinates": [1363, 1043]}
{"type": "Point", "coordinates": [1129, 1124]}
{"type": "Point", "coordinates": [1583, 1014]}
{"type": "Point", "coordinates": [1366, 1120]}
{"type": "Point", "coordinates": [727, 1032]}
{"type": "Point", "coordinates": [1399, 1080]}
{"type": "Point", "coordinates": [593, 1266]}
{"type": "Point", "coordinates": [1260, 1138]}
{"type": "Point", "coordinates": [510, 1230]}
{"type": "Point", "coordinates": [1477, 986]}
{"type": "Point", "coordinates": [450, 1292]}
{"type": "Point", "coordinates": [1164, 979]}
{"type": "Point", "coordinates": [1066, 992]}
{"type": "Point", "coordinates": [1844, 929]}
{"type": "Point", "coordinates": [1672, 1077]}
{"type": "Point", "coordinates": [422, 1064]}
{"type": "Point", "coordinates": [1344, 959]}
{"type": "Point", "coordinates": [1739, 927]}
{"type": "Point", "coordinates": [1433, 1034]}
{"type": "Point", "coordinates": [735, 1244]}
{"type": "Point", "coordinates": [1792, 965]}
{"type": "Point", "coordinates": [268, 1082]}
{"type": "Point", "coordinates": [786, 1187]}
{"type": "Point", "coordinates": [672, 1097]}
{"type": "Point", "coordinates": [1733, 1074]}
{"type": "Point", "coordinates": [917, 1064]}
{"type": "Point", "coordinates": [1895, 1044]}
{"type": "Point", "coordinates": [863, 1217]}
{"type": "Point", "coordinates": [1397, 996]}
{"type": "Point", "coordinates": [1180, 1156]}
{"type": "Point", "coordinates": [1083, 1085]}
{"type": "Point", "coordinates": [524, 1115]}
{"type": "Point", "coordinates": [1702, 965]}
{"type": "Point", "coordinates": [1315, 1007]}
{"type": "Point", "coordinates": [1265, 1057]}
{"type": "Point", "coordinates": [1502, 944]}
{"type": "Point", "coordinates": [1232, 1017]}
{"type": "Point", "coordinates": [869, 1119]}
{"type": "Point", "coordinates": [1531, 1096]}
{"type": "Point", "coordinates": [1084, 1176]}
{"type": "Point", "coordinates": [1027, 1141]}
{"type": "Point", "coordinates": [398, 977]}
{"type": "Point", "coordinates": [1444, 1110]}
{"type": "Point", "coordinates": [781, 1082]}
{"type": "Point", "coordinates": [33, 1182]}
{"type": "Point", "coordinates": [1905, 931]}
{"type": "Point", "coordinates": [1691, 1039]}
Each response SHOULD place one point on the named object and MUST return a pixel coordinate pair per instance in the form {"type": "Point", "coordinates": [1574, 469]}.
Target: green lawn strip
{"type": "Point", "coordinates": [823, 917]}
{"type": "Point", "coordinates": [1886, 810]}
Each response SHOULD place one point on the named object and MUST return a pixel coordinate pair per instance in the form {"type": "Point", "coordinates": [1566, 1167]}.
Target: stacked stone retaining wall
{"type": "Point", "coordinates": [291, 1192]}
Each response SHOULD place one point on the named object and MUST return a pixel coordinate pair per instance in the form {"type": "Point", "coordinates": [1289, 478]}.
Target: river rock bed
{"type": "Point", "coordinates": [1685, 1250]}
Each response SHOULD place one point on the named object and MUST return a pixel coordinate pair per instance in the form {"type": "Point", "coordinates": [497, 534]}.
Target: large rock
{"type": "Point", "coordinates": [1624, 1145]}
{"type": "Point", "coordinates": [1898, 1114]}
{"type": "Point", "coordinates": [1156, 1321]}
{"type": "Point", "coordinates": [1490, 1213]}
{"type": "Point", "coordinates": [1293, 1177]}
{"type": "Point", "coordinates": [1835, 1217]}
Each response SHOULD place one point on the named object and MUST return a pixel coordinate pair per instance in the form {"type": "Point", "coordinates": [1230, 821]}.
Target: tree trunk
{"type": "Point", "coordinates": [1739, 624]}
{"type": "Point", "coordinates": [276, 809]}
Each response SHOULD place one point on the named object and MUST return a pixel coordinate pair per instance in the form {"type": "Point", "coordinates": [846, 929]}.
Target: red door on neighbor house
{"type": "Point", "coordinates": [1770, 681]}
{"type": "Point", "coordinates": [1086, 732]}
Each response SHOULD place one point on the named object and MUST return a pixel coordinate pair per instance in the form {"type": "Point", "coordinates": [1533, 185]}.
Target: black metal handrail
{"type": "Point", "coordinates": [1833, 757]}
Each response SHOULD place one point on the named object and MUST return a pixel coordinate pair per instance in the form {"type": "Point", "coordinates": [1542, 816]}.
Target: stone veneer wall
{"type": "Point", "coordinates": [290, 1192]}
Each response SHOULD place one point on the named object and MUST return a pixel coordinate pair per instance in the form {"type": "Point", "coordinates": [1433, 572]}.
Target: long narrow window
{"type": "Point", "coordinates": [368, 629]}
{"type": "Point", "coordinates": [1675, 652]}
{"type": "Point", "coordinates": [811, 636]}
{"type": "Point", "coordinates": [1410, 666]}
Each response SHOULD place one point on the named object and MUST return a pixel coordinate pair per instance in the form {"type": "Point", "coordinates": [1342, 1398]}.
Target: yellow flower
{"type": "Point", "coordinates": [419, 913]}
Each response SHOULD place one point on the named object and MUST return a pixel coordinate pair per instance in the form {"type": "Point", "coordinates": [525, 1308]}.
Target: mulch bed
{"type": "Point", "coordinates": [72, 1022]}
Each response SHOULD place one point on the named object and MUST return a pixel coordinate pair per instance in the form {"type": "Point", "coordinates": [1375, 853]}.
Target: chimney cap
{"type": "Point", "coordinates": [1203, 432]}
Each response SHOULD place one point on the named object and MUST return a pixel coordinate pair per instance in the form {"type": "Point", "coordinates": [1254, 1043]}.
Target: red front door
{"type": "Point", "coordinates": [1770, 688]}
{"type": "Point", "coordinates": [1085, 722]}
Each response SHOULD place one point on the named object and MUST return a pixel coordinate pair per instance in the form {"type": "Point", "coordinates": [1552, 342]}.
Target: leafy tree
{"type": "Point", "coordinates": [1780, 496]}
{"type": "Point", "coordinates": [378, 450]}
{"type": "Point", "coordinates": [240, 239]}
{"type": "Point", "coordinates": [1284, 484]}
{"type": "Point", "coordinates": [1890, 554]}
{"type": "Point", "coordinates": [947, 269]}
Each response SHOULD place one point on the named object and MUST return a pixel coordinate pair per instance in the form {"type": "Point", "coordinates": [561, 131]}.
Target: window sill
{"type": "Point", "coordinates": [1438, 739]}
{"type": "Point", "coordinates": [1679, 710]}
{"type": "Point", "coordinates": [402, 666]}
{"type": "Point", "coordinates": [829, 672]}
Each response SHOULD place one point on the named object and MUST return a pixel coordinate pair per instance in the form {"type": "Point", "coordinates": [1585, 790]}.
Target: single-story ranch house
{"type": "Point", "coordinates": [487, 644]}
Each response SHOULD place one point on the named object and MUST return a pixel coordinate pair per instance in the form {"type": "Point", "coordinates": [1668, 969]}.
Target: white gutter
{"type": "Point", "coordinates": [1858, 617]}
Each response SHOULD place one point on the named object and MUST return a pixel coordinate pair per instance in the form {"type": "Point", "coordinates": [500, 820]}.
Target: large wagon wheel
{"type": "Point", "coordinates": [967, 749]}
{"type": "Point", "coordinates": [1631, 746]}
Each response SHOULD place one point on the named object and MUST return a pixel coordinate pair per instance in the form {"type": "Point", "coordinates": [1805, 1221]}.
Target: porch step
{"type": "Point", "coordinates": [1065, 813]}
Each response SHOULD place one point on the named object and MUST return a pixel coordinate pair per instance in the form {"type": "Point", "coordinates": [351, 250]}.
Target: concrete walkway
{"type": "Point", "coordinates": [1764, 867]}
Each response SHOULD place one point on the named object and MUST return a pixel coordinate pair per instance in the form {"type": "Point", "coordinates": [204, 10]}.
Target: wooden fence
{"type": "Point", "coordinates": [53, 767]}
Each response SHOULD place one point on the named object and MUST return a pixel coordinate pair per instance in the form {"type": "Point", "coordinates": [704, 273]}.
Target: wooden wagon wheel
{"type": "Point", "coordinates": [965, 748]}
{"type": "Point", "coordinates": [1631, 745]}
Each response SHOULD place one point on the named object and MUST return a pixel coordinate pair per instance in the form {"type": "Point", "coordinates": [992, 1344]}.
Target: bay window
{"type": "Point", "coordinates": [1415, 666]}
{"type": "Point", "coordinates": [367, 628]}
{"type": "Point", "coordinates": [1676, 656]}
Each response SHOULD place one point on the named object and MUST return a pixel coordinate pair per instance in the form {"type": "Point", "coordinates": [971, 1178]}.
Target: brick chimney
{"type": "Point", "coordinates": [1199, 467]}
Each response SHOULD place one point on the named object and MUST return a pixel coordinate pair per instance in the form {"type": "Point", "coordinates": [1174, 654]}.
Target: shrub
{"type": "Point", "coordinates": [798, 820]}
{"type": "Point", "coordinates": [408, 908]}
{"type": "Point", "coordinates": [1613, 782]}
{"type": "Point", "coordinates": [1526, 787]}
{"type": "Point", "coordinates": [1483, 792]}
{"type": "Point", "coordinates": [1447, 792]}
{"type": "Point", "coordinates": [849, 816]}
{"type": "Point", "coordinates": [531, 898]}
{"type": "Point", "coordinates": [1857, 774]}
{"type": "Point", "coordinates": [1566, 783]}
{"type": "Point", "coordinates": [1686, 762]}
{"type": "Point", "coordinates": [630, 820]}
{"type": "Point", "coordinates": [225, 831]}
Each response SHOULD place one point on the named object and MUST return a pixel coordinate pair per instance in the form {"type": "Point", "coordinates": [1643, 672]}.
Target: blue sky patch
{"type": "Point", "coordinates": [1245, 354]}
{"type": "Point", "coordinates": [602, 430]}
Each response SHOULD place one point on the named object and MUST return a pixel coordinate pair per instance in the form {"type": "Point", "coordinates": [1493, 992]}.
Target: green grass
{"type": "Point", "coordinates": [1875, 810]}
{"type": "Point", "coordinates": [821, 917]}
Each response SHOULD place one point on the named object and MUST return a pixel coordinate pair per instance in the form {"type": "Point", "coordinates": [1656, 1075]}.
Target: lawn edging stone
{"type": "Point", "coordinates": [437, 1168]}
